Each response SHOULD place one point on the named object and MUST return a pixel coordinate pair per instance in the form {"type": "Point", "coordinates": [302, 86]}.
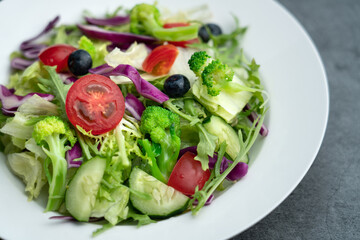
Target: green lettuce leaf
{"type": "Point", "coordinates": [114, 209]}
{"type": "Point", "coordinates": [30, 169]}
{"type": "Point", "coordinates": [206, 146]}
{"type": "Point", "coordinates": [27, 81]}
{"type": "Point", "coordinates": [96, 49]}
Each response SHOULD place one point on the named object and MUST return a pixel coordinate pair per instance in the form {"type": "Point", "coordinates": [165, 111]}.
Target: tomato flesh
{"type": "Point", "coordinates": [57, 55]}
{"type": "Point", "coordinates": [188, 174]}
{"type": "Point", "coordinates": [184, 44]}
{"type": "Point", "coordinates": [95, 103]}
{"type": "Point", "coordinates": [160, 60]}
{"type": "Point", "coordinates": [181, 43]}
{"type": "Point", "coordinates": [176, 24]}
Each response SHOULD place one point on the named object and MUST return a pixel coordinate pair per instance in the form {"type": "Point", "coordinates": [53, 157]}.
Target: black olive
{"type": "Point", "coordinates": [79, 62]}
{"type": "Point", "coordinates": [213, 28]}
{"type": "Point", "coordinates": [176, 85]}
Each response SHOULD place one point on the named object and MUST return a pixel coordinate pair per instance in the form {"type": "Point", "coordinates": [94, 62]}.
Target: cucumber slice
{"type": "Point", "coordinates": [218, 127]}
{"type": "Point", "coordinates": [164, 202]}
{"type": "Point", "coordinates": [81, 195]}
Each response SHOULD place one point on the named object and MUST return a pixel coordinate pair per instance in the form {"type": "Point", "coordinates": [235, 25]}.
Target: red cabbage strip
{"type": "Point", "coordinates": [70, 218]}
{"type": "Point", "coordinates": [31, 50]}
{"type": "Point", "coordinates": [74, 153]}
{"type": "Point", "coordinates": [8, 112]}
{"type": "Point", "coordinates": [252, 117]}
{"type": "Point", "coordinates": [10, 102]}
{"type": "Point", "coordinates": [208, 201]}
{"type": "Point", "coordinates": [115, 37]}
{"type": "Point", "coordinates": [27, 44]}
{"type": "Point", "coordinates": [102, 70]}
{"type": "Point", "coordinates": [20, 63]}
{"type": "Point", "coordinates": [115, 21]}
{"type": "Point", "coordinates": [238, 172]}
{"type": "Point", "coordinates": [67, 78]}
{"type": "Point", "coordinates": [134, 106]}
{"type": "Point", "coordinates": [143, 87]}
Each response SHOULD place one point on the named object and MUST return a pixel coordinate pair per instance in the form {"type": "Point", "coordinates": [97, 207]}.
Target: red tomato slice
{"type": "Point", "coordinates": [181, 43]}
{"type": "Point", "coordinates": [57, 55]}
{"type": "Point", "coordinates": [160, 60]}
{"type": "Point", "coordinates": [95, 103]}
{"type": "Point", "coordinates": [187, 174]}
{"type": "Point", "coordinates": [172, 25]}
{"type": "Point", "coordinates": [184, 43]}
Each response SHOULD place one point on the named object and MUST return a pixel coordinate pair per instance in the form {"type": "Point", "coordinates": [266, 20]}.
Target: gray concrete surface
{"type": "Point", "coordinates": [326, 204]}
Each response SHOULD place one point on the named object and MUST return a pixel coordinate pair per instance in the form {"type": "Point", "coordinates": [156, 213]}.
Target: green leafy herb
{"type": "Point", "coordinates": [202, 195]}
{"type": "Point", "coordinates": [55, 86]}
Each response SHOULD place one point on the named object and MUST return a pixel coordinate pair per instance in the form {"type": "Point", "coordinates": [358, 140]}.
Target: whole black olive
{"type": "Point", "coordinates": [213, 28]}
{"type": "Point", "coordinates": [79, 62]}
{"type": "Point", "coordinates": [176, 85]}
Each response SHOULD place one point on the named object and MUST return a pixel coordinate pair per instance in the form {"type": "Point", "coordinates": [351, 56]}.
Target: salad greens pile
{"type": "Point", "coordinates": [112, 145]}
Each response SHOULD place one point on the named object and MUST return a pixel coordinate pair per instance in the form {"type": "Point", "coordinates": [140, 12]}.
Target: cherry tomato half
{"type": "Point", "coordinates": [160, 60]}
{"type": "Point", "coordinates": [180, 43]}
{"type": "Point", "coordinates": [95, 103]}
{"type": "Point", "coordinates": [187, 174]}
{"type": "Point", "coordinates": [57, 55]}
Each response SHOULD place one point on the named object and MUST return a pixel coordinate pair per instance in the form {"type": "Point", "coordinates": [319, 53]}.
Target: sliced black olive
{"type": "Point", "coordinates": [79, 62]}
{"type": "Point", "coordinates": [176, 85]}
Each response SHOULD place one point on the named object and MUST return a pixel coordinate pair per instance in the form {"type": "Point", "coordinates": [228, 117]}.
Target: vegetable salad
{"type": "Point", "coordinates": [135, 116]}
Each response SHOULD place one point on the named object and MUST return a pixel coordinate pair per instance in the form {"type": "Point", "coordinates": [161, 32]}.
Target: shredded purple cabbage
{"type": "Point", "coordinates": [114, 21]}
{"type": "Point", "coordinates": [134, 106]}
{"type": "Point", "coordinates": [10, 102]}
{"type": "Point", "coordinates": [72, 154]}
{"type": "Point", "coordinates": [252, 117]}
{"type": "Point", "coordinates": [115, 37]}
{"type": "Point", "coordinates": [25, 45]}
{"type": "Point", "coordinates": [239, 171]}
{"type": "Point", "coordinates": [31, 50]}
{"type": "Point", "coordinates": [104, 69]}
{"type": "Point", "coordinates": [20, 63]}
{"type": "Point", "coordinates": [70, 218]}
{"type": "Point", "coordinates": [143, 87]}
{"type": "Point", "coordinates": [67, 78]}
{"type": "Point", "coordinates": [208, 201]}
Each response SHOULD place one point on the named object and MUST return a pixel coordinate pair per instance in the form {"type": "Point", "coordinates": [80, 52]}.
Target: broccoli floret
{"type": "Point", "coordinates": [163, 127]}
{"type": "Point", "coordinates": [217, 88]}
{"type": "Point", "coordinates": [198, 61]}
{"type": "Point", "coordinates": [214, 74]}
{"type": "Point", "coordinates": [145, 19]}
{"type": "Point", "coordinates": [53, 135]}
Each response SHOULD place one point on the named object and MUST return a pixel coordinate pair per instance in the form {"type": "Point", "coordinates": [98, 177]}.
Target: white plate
{"type": "Point", "coordinates": [293, 75]}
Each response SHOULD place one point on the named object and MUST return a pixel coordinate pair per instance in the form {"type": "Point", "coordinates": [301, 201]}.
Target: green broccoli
{"type": "Point", "coordinates": [52, 134]}
{"type": "Point", "coordinates": [145, 19]}
{"type": "Point", "coordinates": [215, 75]}
{"type": "Point", "coordinates": [163, 127]}
{"type": "Point", "coordinates": [217, 88]}
{"type": "Point", "coordinates": [198, 62]}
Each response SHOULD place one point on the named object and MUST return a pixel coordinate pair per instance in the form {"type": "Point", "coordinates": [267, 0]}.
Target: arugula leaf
{"type": "Point", "coordinates": [253, 66]}
{"type": "Point", "coordinates": [104, 228]}
{"type": "Point", "coordinates": [141, 218]}
{"type": "Point", "coordinates": [56, 87]}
